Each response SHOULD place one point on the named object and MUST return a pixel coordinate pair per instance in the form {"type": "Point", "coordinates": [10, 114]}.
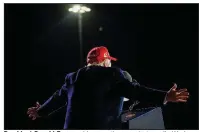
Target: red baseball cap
{"type": "Point", "coordinates": [99, 54]}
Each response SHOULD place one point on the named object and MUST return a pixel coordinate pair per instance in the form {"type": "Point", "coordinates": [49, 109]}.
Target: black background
{"type": "Point", "coordinates": [156, 44]}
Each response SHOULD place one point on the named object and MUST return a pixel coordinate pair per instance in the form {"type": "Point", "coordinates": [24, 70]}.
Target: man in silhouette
{"type": "Point", "coordinates": [91, 93]}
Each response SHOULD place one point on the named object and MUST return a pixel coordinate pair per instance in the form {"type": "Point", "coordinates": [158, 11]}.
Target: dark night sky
{"type": "Point", "coordinates": [156, 44]}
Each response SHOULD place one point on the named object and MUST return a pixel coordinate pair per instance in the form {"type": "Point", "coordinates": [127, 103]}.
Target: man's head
{"type": "Point", "coordinates": [99, 56]}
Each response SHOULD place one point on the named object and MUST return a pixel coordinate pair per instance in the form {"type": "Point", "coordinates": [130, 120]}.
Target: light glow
{"type": "Point", "coordinates": [82, 11]}
{"type": "Point", "coordinates": [79, 9]}
{"type": "Point", "coordinates": [88, 9]}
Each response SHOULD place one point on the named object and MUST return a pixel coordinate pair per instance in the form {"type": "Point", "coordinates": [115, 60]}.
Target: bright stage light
{"type": "Point", "coordinates": [79, 9]}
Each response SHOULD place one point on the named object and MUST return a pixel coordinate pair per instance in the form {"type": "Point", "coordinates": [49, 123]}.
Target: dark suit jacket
{"type": "Point", "coordinates": [90, 94]}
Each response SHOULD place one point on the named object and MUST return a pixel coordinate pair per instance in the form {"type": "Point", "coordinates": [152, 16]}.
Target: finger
{"type": "Point", "coordinates": [30, 108]}
{"type": "Point", "coordinates": [181, 100]}
{"type": "Point", "coordinates": [182, 90]}
{"type": "Point", "coordinates": [31, 112]}
{"type": "Point", "coordinates": [182, 97]}
{"type": "Point", "coordinates": [30, 115]}
{"type": "Point", "coordinates": [34, 118]}
{"type": "Point", "coordinates": [174, 86]}
{"type": "Point", "coordinates": [183, 94]}
{"type": "Point", "coordinates": [28, 112]}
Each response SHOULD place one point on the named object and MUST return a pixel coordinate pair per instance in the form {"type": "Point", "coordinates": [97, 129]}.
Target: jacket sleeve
{"type": "Point", "coordinates": [57, 100]}
{"type": "Point", "coordinates": [135, 91]}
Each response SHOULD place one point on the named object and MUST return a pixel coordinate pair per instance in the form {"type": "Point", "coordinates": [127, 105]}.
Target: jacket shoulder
{"type": "Point", "coordinates": [69, 75]}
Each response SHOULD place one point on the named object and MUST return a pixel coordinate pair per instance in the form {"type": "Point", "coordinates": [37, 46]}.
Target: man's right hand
{"type": "Point", "coordinates": [32, 111]}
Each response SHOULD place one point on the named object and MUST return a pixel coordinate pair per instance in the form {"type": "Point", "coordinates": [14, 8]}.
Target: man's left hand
{"type": "Point", "coordinates": [175, 95]}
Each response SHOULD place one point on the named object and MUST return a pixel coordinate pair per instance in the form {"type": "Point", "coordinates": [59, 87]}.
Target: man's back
{"type": "Point", "coordinates": [91, 93]}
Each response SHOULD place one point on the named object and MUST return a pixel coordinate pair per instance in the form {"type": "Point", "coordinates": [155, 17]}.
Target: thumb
{"type": "Point", "coordinates": [37, 104]}
{"type": "Point", "coordinates": [174, 86]}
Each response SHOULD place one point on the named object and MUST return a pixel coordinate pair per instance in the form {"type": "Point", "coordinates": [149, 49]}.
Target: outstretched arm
{"type": "Point", "coordinates": [57, 100]}
{"type": "Point", "coordinates": [133, 90]}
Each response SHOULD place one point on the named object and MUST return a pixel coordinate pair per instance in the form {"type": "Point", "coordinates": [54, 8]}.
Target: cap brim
{"type": "Point", "coordinates": [113, 58]}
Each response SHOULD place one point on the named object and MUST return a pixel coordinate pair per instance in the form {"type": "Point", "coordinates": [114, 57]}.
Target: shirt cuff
{"type": "Point", "coordinates": [165, 101]}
